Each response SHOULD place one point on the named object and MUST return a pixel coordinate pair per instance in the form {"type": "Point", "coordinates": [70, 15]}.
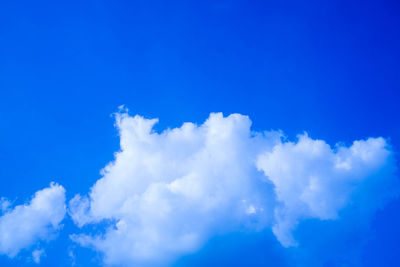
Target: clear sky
{"type": "Point", "coordinates": [330, 69]}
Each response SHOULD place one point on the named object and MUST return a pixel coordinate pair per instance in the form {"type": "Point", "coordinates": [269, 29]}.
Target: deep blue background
{"type": "Point", "coordinates": [331, 69]}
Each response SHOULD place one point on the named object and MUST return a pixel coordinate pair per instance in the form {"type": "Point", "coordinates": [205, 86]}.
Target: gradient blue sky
{"type": "Point", "coordinates": [330, 68]}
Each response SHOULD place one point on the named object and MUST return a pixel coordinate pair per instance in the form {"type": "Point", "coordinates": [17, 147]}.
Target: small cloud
{"type": "Point", "coordinates": [72, 257]}
{"type": "Point", "coordinates": [251, 210]}
{"type": "Point", "coordinates": [4, 204]}
{"type": "Point", "coordinates": [25, 225]}
{"type": "Point", "coordinates": [37, 254]}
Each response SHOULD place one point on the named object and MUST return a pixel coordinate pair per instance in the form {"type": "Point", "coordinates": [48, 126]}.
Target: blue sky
{"type": "Point", "coordinates": [330, 69]}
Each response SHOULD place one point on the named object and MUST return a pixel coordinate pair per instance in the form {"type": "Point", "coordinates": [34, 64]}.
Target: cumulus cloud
{"type": "Point", "coordinates": [167, 193]}
{"type": "Point", "coordinates": [312, 180]}
{"type": "Point", "coordinates": [24, 225]}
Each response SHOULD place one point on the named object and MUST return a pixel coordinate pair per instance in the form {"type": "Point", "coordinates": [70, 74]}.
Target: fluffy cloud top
{"type": "Point", "coordinates": [25, 225]}
{"type": "Point", "coordinates": [166, 194]}
{"type": "Point", "coordinates": [312, 180]}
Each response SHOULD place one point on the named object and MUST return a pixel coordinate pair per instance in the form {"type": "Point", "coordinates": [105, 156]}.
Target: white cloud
{"type": "Point", "coordinates": [37, 254]}
{"type": "Point", "coordinates": [25, 225]}
{"type": "Point", "coordinates": [166, 194]}
{"type": "Point", "coordinates": [312, 180]}
{"type": "Point", "coordinates": [4, 204]}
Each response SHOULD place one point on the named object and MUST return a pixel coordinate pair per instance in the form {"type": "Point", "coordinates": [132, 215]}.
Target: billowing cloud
{"type": "Point", "coordinates": [312, 180]}
{"type": "Point", "coordinates": [166, 194]}
{"type": "Point", "coordinates": [25, 225]}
